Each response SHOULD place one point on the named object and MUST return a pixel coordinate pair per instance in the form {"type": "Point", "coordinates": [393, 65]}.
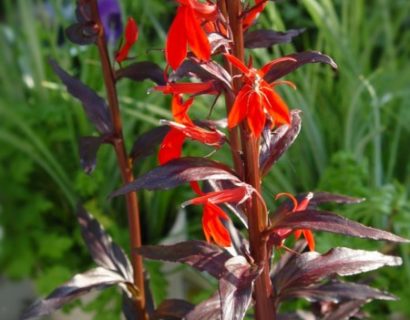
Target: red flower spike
{"type": "Point", "coordinates": [131, 36]}
{"type": "Point", "coordinates": [284, 233]}
{"type": "Point", "coordinates": [186, 31]}
{"type": "Point", "coordinates": [257, 98]}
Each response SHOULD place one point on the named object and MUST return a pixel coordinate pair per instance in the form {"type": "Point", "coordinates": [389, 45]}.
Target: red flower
{"type": "Point", "coordinates": [253, 13]}
{"type": "Point", "coordinates": [212, 225]}
{"type": "Point", "coordinates": [186, 31]}
{"type": "Point", "coordinates": [131, 36]}
{"type": "Point", "coordinates": [257, 98]}
{"type": "Point", "coordinates": [171, 146]}
{"type": "Point", "coordinates": [284, 233]}
{"type": "Point", "coordinates": [194, 88]}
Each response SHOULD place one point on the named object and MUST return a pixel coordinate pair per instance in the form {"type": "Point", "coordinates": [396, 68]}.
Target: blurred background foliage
{"type": "Point", "coordinates": [353, 141]}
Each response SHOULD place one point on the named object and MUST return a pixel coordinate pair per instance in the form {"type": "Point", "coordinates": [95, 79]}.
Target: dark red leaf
{"type": "Point", "coordinates": [330, 222]}
{"type": "Point", "coordinates": [337, 291]}
{"type": "Point", "coordinates": [172, 309]}
{"type": "Point", "coordinates": [179, 171]}
{"type": "Point", "coordinates": [147, 142]}
{"type": "Point", "coordinates": [82, 33]}
{"type": "Point", "coordinates": [98, 278]}
{"type": "Point", "coordinates": [141, 71]}
{"type": "Point", "coordinates": [203, 71]}
{"type": "Point", "coordinates": [311, 267]}
{"type": "Point", "coordinates": [88, 148]}
{"type": "Point", "coordinates": [275, 143]}
{"type": "Point", "coordinates": [268, 38]}
{"type": "Point", "coordinates": [104, 251]}
{"type": "Point", "coordinates": [345, 310]}
{"type": "Point", "coordinates": [198, 254]}
{"type": "Point", "coordinates": [234, 295]}
{"type": "Point", "coordinates": [283, 68]}
{"type": "Point", "coordinates": [94, 106]}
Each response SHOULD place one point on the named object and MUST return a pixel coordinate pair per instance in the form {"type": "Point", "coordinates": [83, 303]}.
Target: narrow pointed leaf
{"type": "Point", "coordinates": [172, 309]}
{"type": "Point", "coordinates": [274, 144]}
{"type": "Point", "coordinates": [337, 291]}
{"type": "Point", "coordinates": [81, 284]}
{"type": "Point", "coordinates": [177, 172]}
{"type": "Point", "coordinates": [330, 222]}
{"type": "Point", "coordinates": [94, 106]}
{"type": "Point", "coordinates": [209, 309]}
{"type": "Point", "coordinates": [267, 38]}
{"type": "Point", "coordinates": [198, 254]}
{"type": "Point", "coordinates": [299, 59]}
{"type": "Point", "coordinates": [141, 71]}
{"type": "Point", "coordinates": [346, 310]}
{"type": "Point", "coordinates": [104, 251]}
{"type": "Point", "coordinates": [88, 148]}
{"type": "Point", "coordinates": [311, 267]}
{"type": "Point", "coordinates": [146, 143]}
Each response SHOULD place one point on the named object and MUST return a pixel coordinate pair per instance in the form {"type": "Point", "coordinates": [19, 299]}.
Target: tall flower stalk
{"type": "Point", "coordinates": [207, 41]}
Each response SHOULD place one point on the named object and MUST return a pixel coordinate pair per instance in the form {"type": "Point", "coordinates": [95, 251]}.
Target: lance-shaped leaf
{"type": "Point", "coordinates": [88, 148]}
{"type": "Point", "coordinates": [104, 251]}
{"type": "Point", "coordinates": [311, 267]}
{"type": "Point", "coordinates": [172, 309]}
{"type": "Point", "coordinates": [204, 71]}
{"type": "Point", "coordinates": [94, 106]}
{"type": "Point", "coordinates": [275, 143]}
{"type": "Point", "coordinates": [179, 171]}
{"type": "Point", "coordinates": [82, 33]}
{"type": "Point", "coordinates": [337, 291]}
{"type": "Point", "coordinates": [234, 295]}
{"type": "Point", "coordinates": [200, 255]}
{"type": "Point", "coordinates": [331, 222]}
{"type": "Point", "coordinates": [267, 38]}
{"type": "Point", "coordinates": [141, 71]}
{"type": "Point", "coordinates": [81, 284]}
{"type": "Point", "coordinates": [147, 142]}
{"type": "Point", "coordinates": [235, 288]}
{"type": "Point", "coordinates": [298, 59]}
{"type": "Point", "coordinates": [344, 310]}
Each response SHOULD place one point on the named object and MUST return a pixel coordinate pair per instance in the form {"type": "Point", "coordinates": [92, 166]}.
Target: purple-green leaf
{"type": "Point", "coordinates": [267, 38]}
{"type": "Point", "coordinates": [94, 106]}
{"type": "Point", "coordinates": [299, 59]}
{"type": "Point", "coordinates": [172, 309]}
{"type": "Point", "coordinates": [82, 33]}
{"type": "Point", "coordinates": [331, 222]}
{"type": "Point", "coordinates": [98, 278]}
{"type": "Point", "coordinates": [141, 71]}
{"type": "Point", "coordinates": [104, 251]}
{"type": "Point", "coordinates": [198, 254]}
{"type": "Point", "coordinates": [274, 144]}
{"type": "Point", "coordinates": [177, 172]}
{"type": "Point", "coordinates": [311, 267]}
{"type": "Point", "coordinates": [147, 142]}
{"type": "Point", "coordinates": [88, 148]}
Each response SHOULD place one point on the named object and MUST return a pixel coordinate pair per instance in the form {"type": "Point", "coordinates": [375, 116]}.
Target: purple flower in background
{"type": "Point", "coordinates": [110, 13]}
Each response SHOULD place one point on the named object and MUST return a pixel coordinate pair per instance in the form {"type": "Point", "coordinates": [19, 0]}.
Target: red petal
{"type": "Point", "coordinates": [305, 202]}
{"type": "Point", "coordinates": [176, 46]}
{"type": "Point", "coordinates": [131, 31]}
{"type": "Point", "coordinates": [197, 38]}
{"type": "Point", "coordinates": [235, 195]}
{"type": "Point", "coordinates": [254, 12]}
{"type": "Point", "coordinates": [256, 115]}
{"type": "Point", "coordinates": [237, 63]}
{"type": "Point", "coordinates": [206, 11]}
{"type": "Point", "coordinates": [180, 109]}
{"type": "Point", "coordinates": [213, 227]}
{"type": "Point", "coordinates": [195, 186]}
{"type": "Point", "coordinates": [274, 104]}
{"type": "Point", "coordinates": [297, 234]}
{"type": "Point", "coordinates": [290, 196]}
{"type": "Point", "coordinates": [187, 88]}
{"type": "Point", "coordinates": [122, 54]}
{"type": "Point", "coordinates": [310, 239]}
{"type": "Point", "coordinates": [171, 146]}
{"type": "Point", "coordinates": [240, 107]}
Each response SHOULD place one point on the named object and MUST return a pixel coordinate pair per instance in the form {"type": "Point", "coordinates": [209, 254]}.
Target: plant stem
{"type": "Point", "coordinates": [124, 163]}
{"type": "Point", "coordinates": [257, 216]}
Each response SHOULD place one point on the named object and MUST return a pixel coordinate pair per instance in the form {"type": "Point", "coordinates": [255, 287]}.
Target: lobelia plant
{"type": "Point", "coordinates": [206, 42]}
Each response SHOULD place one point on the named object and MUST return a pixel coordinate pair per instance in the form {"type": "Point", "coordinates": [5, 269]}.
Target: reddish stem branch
{"type": "Point", "coordinates": [124, 163]}
{"type": "Point", "coordinates": [257, 216]}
